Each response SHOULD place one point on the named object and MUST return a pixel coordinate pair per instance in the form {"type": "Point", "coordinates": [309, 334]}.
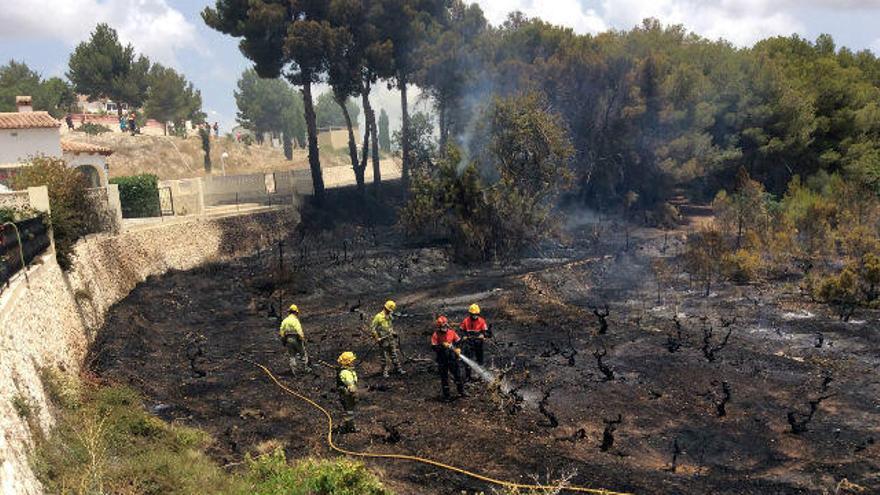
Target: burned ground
{"type": "Point", "coordinates": [672, 409]}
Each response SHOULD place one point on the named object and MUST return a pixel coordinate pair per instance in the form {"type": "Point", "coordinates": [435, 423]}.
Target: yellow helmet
{"type": "Point", "coordinates": [474, 309]}
{"type": "Point", "coordinates": [294, 308]}
{"type": "Point", "coordinates": [346, 358]}
{"type": "Point", "coordinates": [390, 305]}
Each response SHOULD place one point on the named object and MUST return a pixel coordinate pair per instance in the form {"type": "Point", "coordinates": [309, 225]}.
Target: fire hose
{"type": "Point", "coordinates": [422, 460]}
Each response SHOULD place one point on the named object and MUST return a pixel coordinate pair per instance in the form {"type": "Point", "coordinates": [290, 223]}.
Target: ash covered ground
{"type": "Point", "coordinates": [615, 382]}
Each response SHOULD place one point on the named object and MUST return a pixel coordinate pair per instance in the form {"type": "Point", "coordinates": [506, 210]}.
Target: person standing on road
{"type": "Point", "coordinates": [383, 333]}
{"type": "Point", "coordinates": [346, 387]}
{"type": "Point", "coordinates": [69, 120]}
{"type": "Point", "coordinates": [445, 343]}
{"type": "Point", "coordinates": [475, 330]}
{"type": "Point", "coordinates": [216, 129]}
{"type": "Point", "coordinates": [294, 341]}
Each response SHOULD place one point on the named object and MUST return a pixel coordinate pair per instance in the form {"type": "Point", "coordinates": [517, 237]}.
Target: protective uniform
{"type": "Point", "coordinates": [475, 331]}
{"type": "Point", "coordinates": [445, 342]}
{"type": "Point", "coordinates": [294, 341]}
{"type": "Point", "coordinates": [346, 387]}
{"type": "Point", "coordinates": [383, 331]}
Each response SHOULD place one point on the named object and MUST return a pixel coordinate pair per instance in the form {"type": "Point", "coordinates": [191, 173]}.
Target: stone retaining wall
{"type": "Point", "coordinates": [50, 320]}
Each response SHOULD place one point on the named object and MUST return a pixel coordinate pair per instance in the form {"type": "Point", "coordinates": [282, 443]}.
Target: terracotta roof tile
{"type": "Point", "coordinates": [27, 120]}
{"type": "Point", "coordinates": [76, 147]}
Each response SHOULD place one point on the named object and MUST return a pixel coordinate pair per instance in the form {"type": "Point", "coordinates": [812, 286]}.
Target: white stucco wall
{"type": "Point", "coordinates": [74, 160]}
{"type": "Point", "coordinates": [16, 145]}
{"type": "Point", "coordinates": [50, 319]}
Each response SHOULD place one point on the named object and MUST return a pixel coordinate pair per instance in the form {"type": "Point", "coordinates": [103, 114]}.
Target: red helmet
{"type": "Point", "coordinates": [442, 321]}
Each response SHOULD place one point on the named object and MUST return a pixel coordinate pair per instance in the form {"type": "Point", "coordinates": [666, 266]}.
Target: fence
{"type": "Point", "coordinates": [34, 237]}
{"type": "Point", "coordinates": [268, 189]}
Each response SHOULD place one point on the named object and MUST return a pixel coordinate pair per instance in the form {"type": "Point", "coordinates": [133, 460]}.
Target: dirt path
{"type": "Point", "coordinates": [561, 422]}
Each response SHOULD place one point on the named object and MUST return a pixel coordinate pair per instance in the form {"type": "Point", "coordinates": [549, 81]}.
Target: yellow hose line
{"type": "Point", "coordinates": [404, 457]}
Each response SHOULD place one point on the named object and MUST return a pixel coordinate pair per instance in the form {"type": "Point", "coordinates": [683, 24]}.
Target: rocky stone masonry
{"type": "Point", "coordinates": [51, 320]}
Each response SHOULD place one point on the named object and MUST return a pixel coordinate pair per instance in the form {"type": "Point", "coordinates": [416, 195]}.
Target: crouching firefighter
{"type": "Point", "coordinates": [346, 387]}
{"type": "Point", "coordinates": [294, 340]}
{"type": "Point", "coordinates": [475, 330]}
{"type": "Point", "coordinates": [445, 343]}
{"type": "Point", "coordinates": [385, 336]}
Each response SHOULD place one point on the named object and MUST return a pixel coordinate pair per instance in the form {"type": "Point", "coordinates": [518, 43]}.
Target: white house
{"type": "Point", "coordinates": [27, 133]}
{"type": "Point", "coordinates": [24, 134]}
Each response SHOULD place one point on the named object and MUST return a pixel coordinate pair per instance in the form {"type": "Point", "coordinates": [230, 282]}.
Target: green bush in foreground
{"type": "Point", "coordinates": [139, 195]}
{"type": "Point", "coordinates": [270, 475]}
{"type": "Point", "coordinates": [105, 442]}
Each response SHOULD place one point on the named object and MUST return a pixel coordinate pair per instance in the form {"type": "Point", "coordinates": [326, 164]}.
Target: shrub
{"type": "Point", "coordinates": [73, 214]}
{"type": "Point", "coordinates": [741, 266]}
{"type": "Point", "coordinates": [93, 129]}
{"type": "Point", "coordinates": [16, 214]}
{"type": "Point", "coordinates": [106, 442]}
{"type": "Point", "coordinates": [841, 291]}
{"type": "Point", "coordinates": [270, 474]}
{"type": "Point", "coordinates": [205, 135]}
{"type": "Point", "coordinates": [704, 255]}
{"type": "Point", "coordinates": [501, 201]}
{"type": "Point", "coordinates": [139, 195]}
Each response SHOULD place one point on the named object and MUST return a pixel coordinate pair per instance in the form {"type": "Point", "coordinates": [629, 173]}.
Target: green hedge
{"type": "Point", "coordinates": [139, 195]}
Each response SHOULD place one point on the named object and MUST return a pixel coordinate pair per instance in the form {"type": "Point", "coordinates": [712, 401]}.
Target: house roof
{"type": "Point", "coordinates": [92, 149]}
{"type": "Point", "coordinates": [27, 120]}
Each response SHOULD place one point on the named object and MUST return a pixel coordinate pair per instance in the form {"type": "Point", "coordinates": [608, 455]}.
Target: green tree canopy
{"type": "Point", "coordinates": [384, 135]}
{"type": "Point", "coordinates": [102, 68]}
{"type": "Point", "coordinates": [17, 79]}
{"type": "Point", "coordinates": [269, 105]}
{"type": "Point", "coordinates": [171, 98]}
{"type": "Point", "coordinates": [330, 115]}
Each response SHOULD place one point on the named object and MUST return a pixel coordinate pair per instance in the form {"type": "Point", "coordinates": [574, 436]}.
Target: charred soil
{"type": "Point", "coordinates": [676, 393]}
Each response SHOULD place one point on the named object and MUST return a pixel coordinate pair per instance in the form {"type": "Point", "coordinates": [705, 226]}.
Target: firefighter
{"type": "Point", "coordinates": [294, 341]}
{"type": "Point", "coordinates": [445, 342]}
{"type": "Point", "coordinates": [346, 386]}
{"type": "Point", "coordinates": [475, 330]}
{"type": "Point", "coordinates": [385, 336]}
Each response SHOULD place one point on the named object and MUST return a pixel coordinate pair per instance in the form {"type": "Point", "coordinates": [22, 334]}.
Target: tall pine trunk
{"type": "Point", "coordinates": [352, 146]}
{"type": "Point", "coordinates": [359, 171]}
{"type": "Point", "coordinates": [374, 138]}
{"type": "Point", "coordinates": [369, 125]}
{"type": "Point", "coordinates": [312, 128]}
{"type": "Point", "coordinates": [404, 133]}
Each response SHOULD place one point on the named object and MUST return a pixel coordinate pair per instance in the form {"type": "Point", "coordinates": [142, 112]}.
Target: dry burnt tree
{"type": "Point", "coordinates": [392, 431]}
{"type": "Point", "coordinates": [722, 400]}
{"type": "Point", "coordinates": [608, 433]}
{"type": "Point", "coordinates": [799, 421]}
{"type": "Point", "coordinates": [662, 275]}
{"type": "Point", "coordinates": [607, 372]}
{"type": "Point", "coordinates": [674, 342]}
{"type": "Point", "coordinates": [710, 349]}
{"type": "Point", "coordinates": [193, 350]}
{"type": "Point", "coordinates": [552, 421]}
{"type": "Point", "coordinates": [603, 319]}
{"type": "Point", "coordinates": [676, 452]}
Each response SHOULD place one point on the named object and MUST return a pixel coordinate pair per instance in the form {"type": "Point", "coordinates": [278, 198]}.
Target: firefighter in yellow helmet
{"type": "Point", "coordinates": [294, 340]}
{"type": "Point", "coordinates": [383, 332]}
{"type": "Point", "coordinates": [346, 387]}
{"type": "Point", "coordinates": [474, 331]}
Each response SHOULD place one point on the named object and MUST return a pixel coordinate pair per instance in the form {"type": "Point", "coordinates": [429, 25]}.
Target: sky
{"type": "Point", "coordinates": [42, 33]}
